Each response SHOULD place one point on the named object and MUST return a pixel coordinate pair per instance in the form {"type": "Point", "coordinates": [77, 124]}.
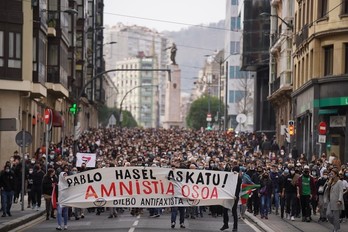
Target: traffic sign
{"type": "Point", "coordinates": [208, 117]}
{"type": "Point", "coordinates": [27, 138]}
{"type": "Point", "coordinates": [322, 139]}
{"type": "Point", "coordinates": [322, 128]}
{"type": "Point", "coordinates": [48, 116]}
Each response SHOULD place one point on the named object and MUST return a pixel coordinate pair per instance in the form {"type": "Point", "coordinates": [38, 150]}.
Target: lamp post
{"type": "Point", "coordinates": [221, 61]}
{"type": "Point", "coordinates": [265, 14]}
{"type": "Point", "coordinates": [124, 97]}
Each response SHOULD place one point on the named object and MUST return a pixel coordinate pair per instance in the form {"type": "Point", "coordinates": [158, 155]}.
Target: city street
{"type": "Point", "coordinates": [127, 223]}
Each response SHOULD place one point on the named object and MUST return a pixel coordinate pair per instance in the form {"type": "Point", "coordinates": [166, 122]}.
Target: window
{"type": "Point", "coordinates": [236, 96]}
{"type": "Point", "coordinates": [234, 47]}
{"type": "Point", "coordinates": [235, 23]}
{"type": "Point", "coordinates": [235, 72]}
{"type": "Point", "coordinates": [322, 8]}
{"type": "Point", "coordinates": [345, 7]}
{"type": "Point", "coordinates": [234, 2]}
{"type": "Point", "coordinates": [1, 48]}
{"type": "Point", "coordinates": [328, 60]}
{"type": "Point", "coordinates": [52, 54]}
{"type": "Point", "coordinates": [14, 50]}
{"type": "Point", "coordinates": [346, 58]}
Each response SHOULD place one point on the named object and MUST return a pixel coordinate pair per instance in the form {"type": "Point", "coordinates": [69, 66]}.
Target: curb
{"type": "Point", "coordinates": [258, 222]}
{"type": "Point", "coordinates": [13, 224]}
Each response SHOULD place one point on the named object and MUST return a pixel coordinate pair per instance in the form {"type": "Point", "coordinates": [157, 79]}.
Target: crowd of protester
{"type": "Point", "coordinates": [290, 185]}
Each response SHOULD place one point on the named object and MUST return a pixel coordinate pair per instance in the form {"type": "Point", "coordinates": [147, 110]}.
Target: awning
{"type": "Point", "coordinates": [58, 120]}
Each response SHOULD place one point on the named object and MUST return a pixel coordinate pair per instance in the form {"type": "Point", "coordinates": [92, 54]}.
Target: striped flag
{"type": "Point", "coordinates": [54, 197]}
{"type": "Point", "coordinates": [246, 192]}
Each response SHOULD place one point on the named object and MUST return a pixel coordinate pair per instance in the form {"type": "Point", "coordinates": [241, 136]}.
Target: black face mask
{"type": "Point", "coordinates": [306, 173]}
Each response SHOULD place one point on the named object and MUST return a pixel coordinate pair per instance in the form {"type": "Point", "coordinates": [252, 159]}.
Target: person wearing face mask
{"type": "Point", "coordinates": [7, 183]}
{"type": "Point", "coordinates": [265, 193]}
{"type": "Point", "coordinates": [305, 192]}
{"type": "Point", "coordinates": [29, 179]}
{"type": "Point", "coordinates": [256, 179]}
{"type": "Point", "coordinates": [345, 189]}
{"type": "Point", "coordinates": [334, 196]}
{"type": "Point", "coordinates": [314, 201]}
{"type": "Point", "coordinates": [345, 197]}
{"type": "Point", "coordinates": [321, 186]}
{"type": "Point", "coordinates": [288, 192]}
{"type": "Point", "coordinates": [49, 180]}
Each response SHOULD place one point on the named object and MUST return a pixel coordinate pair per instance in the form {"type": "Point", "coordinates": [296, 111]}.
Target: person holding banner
{"type": "Point", "coordinates": [62, 212]}
{"type": "Point", "coordinates": [235, 169]}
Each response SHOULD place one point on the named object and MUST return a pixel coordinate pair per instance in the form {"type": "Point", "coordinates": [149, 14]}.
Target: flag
{"type": "Point", "coordinates": [54, 197]}
{"type": "Point", "coordinates": [246, 192]}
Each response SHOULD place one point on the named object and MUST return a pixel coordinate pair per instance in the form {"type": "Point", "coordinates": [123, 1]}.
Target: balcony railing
{"type": "Point", "coordinates": [302, 35]}
{"type": "Point", "coordinates": [57, 75]}
{"type": "Point", "coordinates": [275, 85]}
{"type": "Point", "coordinates": [281, 82]}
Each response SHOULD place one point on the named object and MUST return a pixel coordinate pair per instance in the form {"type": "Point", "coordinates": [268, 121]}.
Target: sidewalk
{"type": "Point", "coordinates": [275, 223]}
{"type": "Point", "coordinates": [20, 217]}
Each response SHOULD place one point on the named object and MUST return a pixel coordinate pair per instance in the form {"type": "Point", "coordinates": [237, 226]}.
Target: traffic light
{"type": "Point", "coordinates": [291, 127]}
{"type": "Point", "coordinates": [74, 109]}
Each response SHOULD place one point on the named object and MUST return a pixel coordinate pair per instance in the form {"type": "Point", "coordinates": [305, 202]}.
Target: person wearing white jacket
{"type": "Point", "coordinates": [334, 198]}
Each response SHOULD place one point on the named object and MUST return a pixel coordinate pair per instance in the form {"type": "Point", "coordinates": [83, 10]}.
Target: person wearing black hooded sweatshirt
{"type": "Point", "coordinates": [236, 170]}
{"type": "Point", "coordinates": [7, 183]}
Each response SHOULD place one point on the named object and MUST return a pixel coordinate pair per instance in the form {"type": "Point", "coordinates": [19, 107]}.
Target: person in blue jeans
{"type": "Point", "coordinates": [7, 183]}
{"type": "Point", "coordinates": [175, 213]}
{"type": "Point", "coordinates": [62, 212]}
{"type": "Point", "coordinates": [275, 177]}
{"type": "Point", "coordinates": [265, 194]}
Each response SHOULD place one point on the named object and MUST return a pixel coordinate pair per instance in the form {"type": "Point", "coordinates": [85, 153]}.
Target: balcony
{"type": "Point", "coordinates": [301, 36]}
{"type": "Point", "coordinates": [57, 80]}
{"type": "Point", "coordinates": [281, 84]}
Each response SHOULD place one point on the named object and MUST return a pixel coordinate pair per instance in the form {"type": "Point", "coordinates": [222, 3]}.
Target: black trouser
{"type": "Point", "coordinates": [291, 203]}
{"type": "Point", "coordinates": [305, 206]}
{"type": "Point", "coordinates": [36, 194]}
{"type": "Point", "coordinates": [234, 214]}
{"type": "Point", "coordinates": [256, 202]}
{"type": "Point", "coordinates": [49, 208]}
{"type": "Point", "coordinates": [282, 206]}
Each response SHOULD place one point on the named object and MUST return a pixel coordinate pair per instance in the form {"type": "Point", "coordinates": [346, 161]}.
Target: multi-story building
{"type": "Point", "coordinates": [280, 75]}
{"type": "Point", "coordinates": [255, 58]}
{"type": "Point", "coordinates": [130, 41]}
{"type": "Point", "coordinates": [320, 83]}
{"type": "Point", "coordinates": [138, 90]}
{"type": "Point", "coordinates": [239, 83]}
{"type": "Point", "coordinates": [44, 64]}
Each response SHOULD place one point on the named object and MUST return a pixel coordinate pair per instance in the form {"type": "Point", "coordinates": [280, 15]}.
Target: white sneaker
{"type": "Point", "coordinates": [292, 218]}
{"type": "Point", "coordinates": [65, 227]}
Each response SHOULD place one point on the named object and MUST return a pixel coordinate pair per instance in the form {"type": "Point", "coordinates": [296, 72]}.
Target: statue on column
{"type": "Point", "coordinates": [173, 50]}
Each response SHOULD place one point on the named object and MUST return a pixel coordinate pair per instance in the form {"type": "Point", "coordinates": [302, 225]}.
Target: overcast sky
{"type": "Point", "coordinates": [162, 15]}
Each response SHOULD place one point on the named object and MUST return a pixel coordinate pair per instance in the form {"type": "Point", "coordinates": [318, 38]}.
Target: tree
{"type": "Point", "coordinates": [197, 116]}
{"type": "Point", "coordinates": [246, 103]}
{"type": "Point", "coordinates": [104, 114]}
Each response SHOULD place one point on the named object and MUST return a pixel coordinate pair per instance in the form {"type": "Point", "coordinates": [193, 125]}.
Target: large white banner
{"type": "Point", "coordinates": [147, 187]}
{"type": "Point", "coordinates": [88, 158]}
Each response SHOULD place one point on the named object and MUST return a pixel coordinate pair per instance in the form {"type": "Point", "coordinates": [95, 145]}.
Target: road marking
{"type": "Point", "coordinates": [134, 224]}
{"type": "Point", "coordinates": [251, 225]}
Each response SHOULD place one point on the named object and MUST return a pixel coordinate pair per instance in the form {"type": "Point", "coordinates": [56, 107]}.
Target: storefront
{"type": "Point", "coordinates": [322, 100]}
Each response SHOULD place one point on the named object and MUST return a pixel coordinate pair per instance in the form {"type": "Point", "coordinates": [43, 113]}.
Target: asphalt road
{"type": "Point", "coordinates": [125, 222]}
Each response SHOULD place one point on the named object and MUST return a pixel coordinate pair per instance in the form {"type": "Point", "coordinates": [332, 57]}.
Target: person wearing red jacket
{"type": "Point", "coordinates": [306, 190]}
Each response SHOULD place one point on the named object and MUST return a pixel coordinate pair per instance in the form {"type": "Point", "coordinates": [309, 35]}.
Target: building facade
{"type": "Point", "coordinates": [255, 58]}
{"type": "Point", "coordinates": [280, 60]}
{"type": "Point", "coordinates": [134, 39]}
{"type": "Point", "coordinates": [320, 93]}
{"type": "Point", "coordinates": [238, 84]}
{"type": "Point", "coordinates": [138, 90]}
{"type": "Point", "coordinates": [44, 65]}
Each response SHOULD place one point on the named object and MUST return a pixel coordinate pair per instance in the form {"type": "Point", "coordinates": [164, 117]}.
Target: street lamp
{"type": "Point", "coordinates": [124, 97]}
{"type": "Point", "coordinates": [221, 61]}
{"type": "Point", "coordinates": [265, 14]}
